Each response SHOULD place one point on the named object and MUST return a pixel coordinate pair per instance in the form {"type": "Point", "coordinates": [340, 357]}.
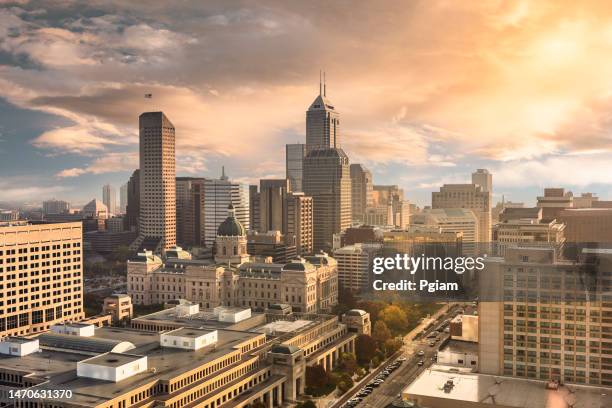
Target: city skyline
{"type": "Point", "coordinates": [413, 112]}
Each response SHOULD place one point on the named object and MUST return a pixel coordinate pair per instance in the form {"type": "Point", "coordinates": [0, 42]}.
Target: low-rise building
{"type": "Point", "coordinates": [119, 306]}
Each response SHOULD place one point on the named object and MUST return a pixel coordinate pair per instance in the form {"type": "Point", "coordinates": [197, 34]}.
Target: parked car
{"type": "Point", "coordinates": [420, 363]}
{"type": "Point", "coordinates": [421, 353]}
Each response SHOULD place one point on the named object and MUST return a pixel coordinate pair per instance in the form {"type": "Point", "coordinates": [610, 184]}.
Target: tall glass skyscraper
{"type": "Point", "coordinates": [294, 163]}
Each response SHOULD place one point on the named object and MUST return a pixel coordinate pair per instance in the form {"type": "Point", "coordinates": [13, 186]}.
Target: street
{"type": "Point", "coordinates": [388, 391]}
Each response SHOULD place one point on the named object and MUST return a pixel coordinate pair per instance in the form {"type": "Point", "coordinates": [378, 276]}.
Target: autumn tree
{"type": "Point", "coordinates": [381, 332]}
{"type": "Point", "coordinates": [395, 318]}
{"type": "Point", "coordinates": [365, 348]}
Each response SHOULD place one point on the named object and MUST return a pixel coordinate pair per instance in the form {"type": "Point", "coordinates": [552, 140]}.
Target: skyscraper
{"type": "Point", "coordinates": [327, 180]}
{"type": "Point", "coordinates": [132, 211]}
{"type": "Point", "coordinates": [189, 211]}
{"type": "Point", "coordinates": [157, 181]}
{"type": "Point", "coordinates": [483, 178]}
{"type": "Point", "coordinates": [109, 198]}
{"type": "Point", "coordinates": [297, 221]}
{"type": "Point", "coordinates": [361, 186]}
{"type": "Point", "coordinates": [123, 198]}
{"type": "Point", "coordinates": [294, 163]}
{"type": "Point", "coordinates": [322, 123]}
{"type": "Point", "coordinates": [272, 194]}
{"type": "Point", "coordinates": [218, 195]}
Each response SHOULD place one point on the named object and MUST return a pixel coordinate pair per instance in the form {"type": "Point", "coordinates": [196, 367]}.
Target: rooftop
{"type": "Point", "coordinates": [509, 392]}
{"type": "Point", "coordinates": [112, 359]}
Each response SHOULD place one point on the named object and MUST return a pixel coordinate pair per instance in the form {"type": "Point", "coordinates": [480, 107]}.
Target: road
{"type": "Point", "coordinates": [408, 371]}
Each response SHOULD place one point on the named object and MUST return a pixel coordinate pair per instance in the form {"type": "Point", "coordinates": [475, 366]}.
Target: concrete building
{"type": "Point", "coordinates": [458, 220]}
{"type": "Point", "coordinates": [500, 206]}
{"type": "Point", "coordinates": [468, 196]}
{"type": "Point", "coordinates": [218, 194]}
{"type": "Point", "coordinates": [272, 196]}
{"type": "Point", "coordinates": [132, 211]}
{"type": "Point", "coordinates": [390, 199]}
{"type": "Point", "coordinates": [294, 162]}
{"type": "Point", "coordinates": [361, 191]}
{"type": "Point", "coordinates": [355, 265]}
{"type": "Point", "coordinates": [308, 284]}
{"type": "Point", "coordinates": [54, 206]}
{"type": "Point", "coordinates": [464, 327]}
{"type": "Point", "coordinates": [483, 178]}
{"type": "Point", "coordinates": [298, 222]}
{"type": "Point", "coordinates": [41, 266]}
{"type": "Point", "coordinates": [109, 198]}
{"type": "Point", "coordinates": [443, 387]}
{"type": "Point", "coordinates": [327, 180]}
{"type": "Point", "coordinates": [115, 224]}
{"type": "Point", "coordinates": [457, 353]}
{"type": "Point", "coordinates": [203, 362]}
{"type": "Point", "coordinates": [525, 226]}
{"type": "Point", "coordinates": [358, 321]}
{"type": "Point", "coordinates": [553, 202]}
{"type": "Point", "coordinates": [190, 214]}
{"type": "Point", "coordinates": [157, 222]}
{"type": "Point", "coordinates": [9, 215]}
{"type": "Point", "coordinates": [254, 207]}
{"type": "Point", "coordinates": [119, 306]}
{"type": "Point", "coordinates": [585, 200]}
{"type": "Point", "coordinates": [272, 244]}
{"type": "Point", "coordinates": [587, 224]}
{"type": "Point", "coordinates": [380, 216]}
{"type": "Point", "coordinates": [322, 123]}
{"type": "Point", "coordinates": [95, 209]}
{"type": "Point", "coordinates": [545, 317]}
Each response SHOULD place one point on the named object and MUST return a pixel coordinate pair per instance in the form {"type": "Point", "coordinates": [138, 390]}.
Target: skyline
{"type": "Point", "coordinates": [419, 108]}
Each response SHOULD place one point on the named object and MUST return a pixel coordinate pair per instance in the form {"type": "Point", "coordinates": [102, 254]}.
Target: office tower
{"type": "Point", "coordinates": [132, 211]}
{"type": "Point", "coordinates": [298, 218]}
{"type": "Point", "coordinates": [189, 211]}
{"type": "Point", "coordinates": [525, 226]}
{"type": "Point", "coordinates": [322, 123]}
{"type": "Point", "coordinates": [54, 206]}
{"type": "Point", "coordinates": [553, 202]}
{"type": "Point", "coordinates": [157, 224]}
{"type": "Point", "coordinates": [95, 209]}
{"type": "Point", "coordinates": [294, 163]}
{"type": "Point", "coordinates": [470, 196]}
{"type": "Point", "coordinates": [483, 178]}
{"type": "Point", "coordinates": [123, 198]}
{"type": "Point", "coordinates": [587, 224]}
{"type": "Point", "coordinates": [461, 220]}
{"type": "Point", "coordinates": [361, 191]}
{"type": "Point", "coordinates": [109, 198]}
{"type": "Point", "coordinates": [327, 180]}
{"type": "Point", "coordinates": [355, 264]}
{"type": "Point", "coordinates": [254, 207]}
{"type": "Point", "coordinates": [218, 195]}
{"type": "Point", "coordinates": [545, 317]}
{"type": "Point", "coordinates": [41, 265]}
{"type": "Point", "coordinates": [272, 194]}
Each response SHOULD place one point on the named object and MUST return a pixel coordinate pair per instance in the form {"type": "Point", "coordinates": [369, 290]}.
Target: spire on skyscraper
{"type": "Point", "coordinates": [223, 176]}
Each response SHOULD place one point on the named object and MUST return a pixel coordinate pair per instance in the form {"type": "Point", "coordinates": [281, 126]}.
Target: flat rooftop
{"type": "Point", "coordinates": [113, 359]}
{"type": "Point", "coordinates": [284, 326]}
{"type": "Point", "coordinates": [459, 346]}
{"type": "Point", "coordinates": [190, 332]}
{"type": "Point", "coordinates": [201, 319]}
{"type": "Point", "coordinates": [483, 390]}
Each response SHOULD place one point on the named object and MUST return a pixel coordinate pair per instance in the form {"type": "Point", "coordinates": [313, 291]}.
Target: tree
{"type": "Point", "coordinates": [392, 345]}
{"type": "Point", "coordinates": [381, 332]}
{"type": "Point", "coordinates": [316, 376]}
{"type": "Point", "coordinates": [365, 348]}
{"type": "Point", "coordinates": [348, 363]}
{"type": "Point", "coordinates": [395, 318]}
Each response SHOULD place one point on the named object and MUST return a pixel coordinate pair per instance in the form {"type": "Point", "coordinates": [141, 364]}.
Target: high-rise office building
{"type": "Point", "coordinates": [272, 194]}
{"type": "Point", "coordinates": [254, 207]}
{"type": "Point", "coordinates": [218, 195]}
{"type": "Point", "coordinates": [470, 196]}
{"type": "Point", "coordinates": [157, 225]}
{"type": "Point", "coordinates": [459, 220]}
{"type": "Point", "coordinates": [109, 198]}
{"type": "Point", "coordinates": [189, 211]}
{"type": "Point", "coordinates": [361, 195]}
{"type": "Point", "coordinates": [547, 318]}
{"type": "Point", "coordinates": [298, 218]}
{"type": "Point", "coordinates": [355, 265]}
{"type": "Point", "coordinates": [132, 211]}
{"type": "Point", "coordinates": [41, 265]}
{"type": "Point", "coordinates": [483, 178]}
{"type": "Point", "coordinates": [294, 163]}
{"type": "Point", "coordinates": [123, 193]}
{"type": "Point", "coordinates": [322, 123]}
{"type": "Point", "coordinates": [327, 180]}
{"type": "Point", "coordinates": [54, 206]}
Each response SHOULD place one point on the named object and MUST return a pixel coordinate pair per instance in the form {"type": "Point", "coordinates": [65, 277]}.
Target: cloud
{"type": "Point", "coordinates": [109, 163]}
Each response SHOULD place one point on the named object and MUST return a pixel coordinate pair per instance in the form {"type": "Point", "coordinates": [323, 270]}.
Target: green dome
{"type": "Point", "coordinates": [231, 227]}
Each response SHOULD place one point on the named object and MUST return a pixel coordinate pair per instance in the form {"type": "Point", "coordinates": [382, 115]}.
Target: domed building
{"type": "Point", "coordinates": [231, 241]}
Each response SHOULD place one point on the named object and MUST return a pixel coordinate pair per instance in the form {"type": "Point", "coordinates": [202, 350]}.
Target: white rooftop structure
{"type": "Point", "coordinates": [232, 314]}
{"type": "Point", "coordinates": [283, 326]}
{"type": "Point", "coordinates": [188, 338]}
{"type": "Point", "coordinates": [112, 366]}
{"type": "Point", "coordinates": [18, 346]}
{"type": "Point", "coordinates": [74, 329]}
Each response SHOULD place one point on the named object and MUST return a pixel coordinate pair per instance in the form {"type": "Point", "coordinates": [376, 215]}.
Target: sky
{"type": "Point", "coordinates": [428, 90]}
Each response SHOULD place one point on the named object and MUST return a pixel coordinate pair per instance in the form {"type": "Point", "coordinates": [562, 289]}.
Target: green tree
{"type": "Point", "coordinates": [392, 345]}
{"type": "Point", "coordinates": [381, 332]}
{"type": "Point", "coordinates": [395, 318]}
{"type": "Point", "coordinates": [348, 363]}
{"type": "Point", "coordinates": [365, 348]}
